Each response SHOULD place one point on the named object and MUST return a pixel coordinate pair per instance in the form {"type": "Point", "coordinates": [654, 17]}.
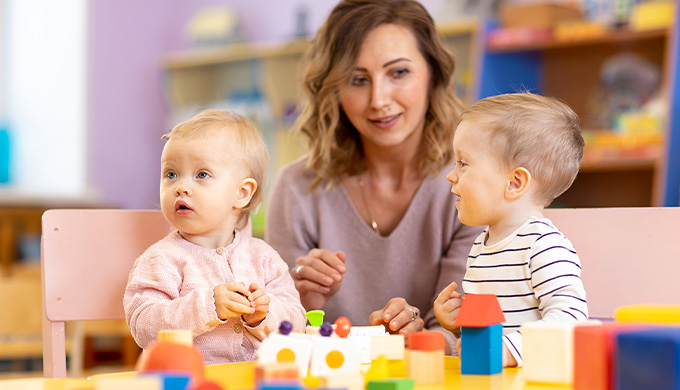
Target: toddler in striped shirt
{"type": "Point", "coordinates": [515, 153]}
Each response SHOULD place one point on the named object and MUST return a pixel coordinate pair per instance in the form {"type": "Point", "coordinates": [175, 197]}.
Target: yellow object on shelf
{"type": "Point", "coordinates": [653, 15]}
{"type": "Point", "coordinates": [655, 314]}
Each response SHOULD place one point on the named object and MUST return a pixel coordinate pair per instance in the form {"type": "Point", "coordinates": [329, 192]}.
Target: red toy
{"type": "Point", "coordinates": [342, 326]}
{"type": "Point", "coordinates": [166, 356]}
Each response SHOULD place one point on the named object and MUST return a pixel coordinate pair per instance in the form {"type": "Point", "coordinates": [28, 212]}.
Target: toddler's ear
{"type": "Point", "coordinates": [518, 183]}
{"type": "Point", "coordinates": [245, 192]}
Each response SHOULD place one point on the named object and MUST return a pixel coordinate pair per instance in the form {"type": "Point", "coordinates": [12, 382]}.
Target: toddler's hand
{"type": "Point", "coordinates": [446, 307]}
{"type": "Point", "coordinates": [231, 300]}
{"type": "Point", "coordinates": [259, 300]}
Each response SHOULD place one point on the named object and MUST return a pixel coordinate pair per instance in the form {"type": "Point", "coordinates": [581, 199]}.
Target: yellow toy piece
{"type": "Point", "coordinates": [654, 314]}
{"type": "Point", "coordinates": [379, 369]}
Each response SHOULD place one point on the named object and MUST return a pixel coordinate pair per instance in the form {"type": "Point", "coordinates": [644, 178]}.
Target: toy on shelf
{"type": "Point", "coordinates": [425, 358]}
{"type": "Point", "coordinates": [481, 322]}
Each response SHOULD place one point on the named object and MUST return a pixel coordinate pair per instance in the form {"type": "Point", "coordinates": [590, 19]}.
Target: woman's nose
{"type": "Point", "coordinates": [380, 95]}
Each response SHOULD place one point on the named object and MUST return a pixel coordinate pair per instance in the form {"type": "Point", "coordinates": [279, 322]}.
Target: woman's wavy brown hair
{"type": "Point", "coordinates": [335, 149]}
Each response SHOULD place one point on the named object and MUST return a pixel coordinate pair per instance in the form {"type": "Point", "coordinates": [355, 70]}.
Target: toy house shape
{"type": "Point", "coordinates": [480, 319]}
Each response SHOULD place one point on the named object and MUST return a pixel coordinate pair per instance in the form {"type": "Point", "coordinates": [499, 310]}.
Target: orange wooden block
{"type": "Point", "coordinates": [594, 356]}
{"type": "Point", "coordinates": [276, 371]}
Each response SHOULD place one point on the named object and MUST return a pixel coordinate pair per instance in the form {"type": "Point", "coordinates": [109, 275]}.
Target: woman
{"type": "Point", "coordinates": [366, 219]}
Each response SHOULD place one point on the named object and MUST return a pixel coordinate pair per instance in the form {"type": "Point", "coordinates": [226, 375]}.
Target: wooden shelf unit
{"type": "Point", "coordinates": [570, 70]}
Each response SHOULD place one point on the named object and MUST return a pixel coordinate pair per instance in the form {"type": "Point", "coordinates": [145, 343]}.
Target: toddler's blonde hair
{"type": "Point", "coordinates": [254, 156]}
{"type": "Point", "coordinates": [539, 133]}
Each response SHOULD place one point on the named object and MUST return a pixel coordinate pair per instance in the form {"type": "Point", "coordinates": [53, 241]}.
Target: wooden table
{"type": "Point", "coordinates": [234, 376]}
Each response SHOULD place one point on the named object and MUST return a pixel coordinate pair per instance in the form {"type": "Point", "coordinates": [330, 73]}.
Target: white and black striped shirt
{"type": "Point", "coordinates": [536, 275]}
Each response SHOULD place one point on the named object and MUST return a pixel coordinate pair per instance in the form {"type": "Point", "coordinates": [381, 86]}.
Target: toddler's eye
{"type": "Point", "coordinates": [202, 175]}
{"type": "Point", "coordinates": [171, 175]}
{"type": "Point", "coordinates": [461, 163]}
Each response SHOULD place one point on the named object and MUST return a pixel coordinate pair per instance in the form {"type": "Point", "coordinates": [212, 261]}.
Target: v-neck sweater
{"type": "Point", "coordinates": [425, 252]}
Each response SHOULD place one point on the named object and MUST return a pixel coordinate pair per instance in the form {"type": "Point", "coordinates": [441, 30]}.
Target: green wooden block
{"type": "Point", "coordinates": [391, 384]}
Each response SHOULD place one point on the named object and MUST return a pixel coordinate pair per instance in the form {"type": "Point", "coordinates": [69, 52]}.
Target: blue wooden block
{"type": "Point", "coordinates": [279, 386]}
{"type": "Point", "coordinates": [648, 359]}
{"type": "Point", "coordinates": [481, 350]}
{"type": "Point", "coordinates": [171, 380]}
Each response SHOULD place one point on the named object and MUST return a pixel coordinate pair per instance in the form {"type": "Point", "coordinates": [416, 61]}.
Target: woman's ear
{"type": "Point", "coordinates": [245, 192]}
{"type": "Point", "coordinates": [518, 184]}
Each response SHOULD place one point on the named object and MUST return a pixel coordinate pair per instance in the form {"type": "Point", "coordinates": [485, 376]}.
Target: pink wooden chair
{"type": "Point", "coordinates": [86, 258]}
{"type": "Point", "coordinates": [628, 255]}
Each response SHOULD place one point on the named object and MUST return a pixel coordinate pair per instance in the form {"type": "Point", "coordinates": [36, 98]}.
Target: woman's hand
{"type": "Point", "coordinates": [317, 277]}
{"type": "Point", "coordinates": [446, 307]}
{"type": "Point", "coordinates": [398, 317]}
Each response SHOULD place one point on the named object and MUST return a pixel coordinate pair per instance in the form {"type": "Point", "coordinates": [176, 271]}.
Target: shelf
{"type": "Point", "coordinates": [622, 36]}
{"type": "Point", "coordinates": [232, 53]}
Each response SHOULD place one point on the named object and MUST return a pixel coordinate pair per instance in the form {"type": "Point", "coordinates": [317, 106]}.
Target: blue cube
{"type": "Point", "coordinates": [481, 350]}
{"type": "Point", "coordinates": [648, 359]}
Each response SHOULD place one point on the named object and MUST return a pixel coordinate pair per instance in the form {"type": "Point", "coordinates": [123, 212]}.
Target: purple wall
{"type": "Point", "coordinates": [127, 112]}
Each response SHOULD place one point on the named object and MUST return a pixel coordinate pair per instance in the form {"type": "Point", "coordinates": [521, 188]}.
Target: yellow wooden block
{"type": "Point", "coordinates": [379, 369]}
{"type": "Point", "coordinates": [397, 368]}
{"type": "Point", "coordinates": [655, 314]}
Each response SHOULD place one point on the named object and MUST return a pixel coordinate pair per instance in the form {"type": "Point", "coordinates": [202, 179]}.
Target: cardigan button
{"type": "Point", "coordinates": [220, 250]}
{"type": "Point", "coordinates": [238, 328]}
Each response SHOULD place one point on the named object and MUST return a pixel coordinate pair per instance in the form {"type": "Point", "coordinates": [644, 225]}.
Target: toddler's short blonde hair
{"type": "Point", "coordinates": [539, 133]}
{"type": "Point", "coordinates": [254, 156]}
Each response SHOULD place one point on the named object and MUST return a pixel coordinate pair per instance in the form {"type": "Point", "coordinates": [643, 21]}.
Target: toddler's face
{"type": "Point", "coordinates": [478, 178]}
{"type": "Point", "coordinates": [200, 183]}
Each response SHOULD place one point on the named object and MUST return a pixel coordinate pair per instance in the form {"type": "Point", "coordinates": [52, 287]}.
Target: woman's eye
{"type": "Point", "coordinates": [359, 80]}
{"type": "Point", "coordinates": [399, 73]}
{"type": "Point", "coordinates": [202, 175]}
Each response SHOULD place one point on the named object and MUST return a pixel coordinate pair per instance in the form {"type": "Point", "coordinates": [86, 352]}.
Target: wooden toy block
{"type": "Point", "coordinates": [179, 336]}
{"type": "Point", "coordinates": [174, 381]}
{"type": "Point", "coordinates": [277, 371]}
{"type": "Point", "coordinates": [548, 352]}
{"type": "Point", "coordinates": [481, 350]}
{"type": "Point", "coordinates": [396, 368]}
{"type": "Point", "coordinates": [334, 356]}
{"type": "Point", "coordinates": [594, 357]}
{"type": "Point", "coordinates": [424, 359]}
{"type": "Point", "coordinates": [379, 369]}
{"type": "Point", "coordinates": [390, 346]}
{"type": "Point", "coordinates": [349, 382]}
{"type": "Point", "coordinates": [141, 382]}
{"type": "Point", "coordinates": [391, 384]}
{"type": "Point", "coordinates": [479, 310]}
{"type": "Point", "coordinates": [279, 386]}
{"type": "Point", "coordinates": [648, 359]}
{"type": "Point", "coordinates": [653, 314]}
{"type": "Point", "coordinates": [292, 348]}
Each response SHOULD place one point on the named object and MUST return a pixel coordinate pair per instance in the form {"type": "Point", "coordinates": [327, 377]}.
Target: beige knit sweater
{"type": "Point", "coordinates": [424, 253]}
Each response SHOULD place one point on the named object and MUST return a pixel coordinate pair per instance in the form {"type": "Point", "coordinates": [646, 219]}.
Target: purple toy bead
{"type": "Point", "coordinates": [285, 327]}
{"type": "Point", "coordinates": [326, 329]}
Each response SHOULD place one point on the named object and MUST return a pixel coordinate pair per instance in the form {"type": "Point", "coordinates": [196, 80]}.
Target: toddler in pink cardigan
{"type": "Point", "coordinates": [209, 276]}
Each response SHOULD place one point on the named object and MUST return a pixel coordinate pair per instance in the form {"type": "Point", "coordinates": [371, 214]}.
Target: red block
{"type": "Point", "coordinates": [594, 356]}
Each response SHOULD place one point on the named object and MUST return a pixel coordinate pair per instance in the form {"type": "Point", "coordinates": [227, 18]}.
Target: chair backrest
{"type": "Point", "coordinates": [628, 256]}
{"type": "Point", "coordinates": [85, 261]}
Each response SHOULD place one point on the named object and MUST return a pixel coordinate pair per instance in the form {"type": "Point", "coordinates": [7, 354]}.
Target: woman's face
{"type": "Point", "coordinates": [387, 97]}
